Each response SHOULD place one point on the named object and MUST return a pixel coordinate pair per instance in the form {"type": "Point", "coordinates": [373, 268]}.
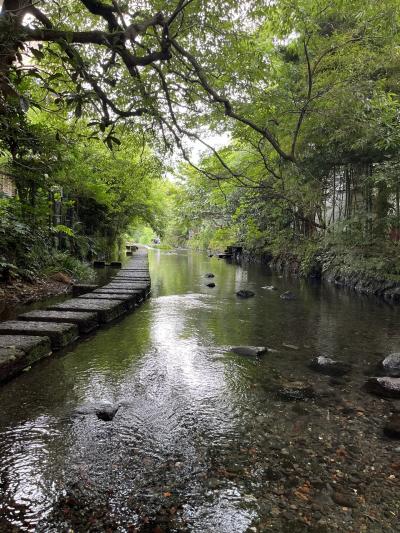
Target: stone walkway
{"type": "Point", "coordinates": [37, 334]}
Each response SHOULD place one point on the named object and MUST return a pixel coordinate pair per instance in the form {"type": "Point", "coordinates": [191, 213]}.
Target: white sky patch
{"type": "Point", "coordinates": [197, 150]}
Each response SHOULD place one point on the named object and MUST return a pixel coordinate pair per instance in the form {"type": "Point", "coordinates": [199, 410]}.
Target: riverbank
{"type": "Point", "coordinates": [23, 293]}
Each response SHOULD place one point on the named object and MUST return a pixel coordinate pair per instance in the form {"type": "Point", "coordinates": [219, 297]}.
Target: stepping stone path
{"type": "Point", "coordinates": [36, 334]}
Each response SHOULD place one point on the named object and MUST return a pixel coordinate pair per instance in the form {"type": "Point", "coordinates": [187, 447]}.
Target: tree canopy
{"type": "Point", "coordinates": [307, 91]}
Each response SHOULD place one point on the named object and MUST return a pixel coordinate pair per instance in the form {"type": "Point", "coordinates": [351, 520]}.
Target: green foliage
{"type": "Point", "coordinates": [64, 262]}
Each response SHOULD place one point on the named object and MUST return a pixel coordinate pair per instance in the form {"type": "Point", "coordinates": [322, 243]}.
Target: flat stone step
{"type": "Point", "coordinates": [107, 310]}
{"type": "Point", "coordinates": [138, 270]}
{"type": "Point", "coordinates": [133, 272]}
{"type": "Point", "coordinates": [128, 282]}
{"type": "Point", "coordinates": [99, 264]}
{"type": "Point", "coordinates": [60, 333]}
{"type": "Point", "coordinates": [136, 294]}
{"type": "Point", "coordinates": [128, 299]}
{"type": "Point", "coordinates": [130, 286]}
{"type": "Point", "coordinates": [105, 290]}
{"type": "Point", "coordinates": [85, 321]}
{"type": "Point", "coordinates": [115, 264]}
{"type": "Point", "coordinates": [130, 279]}
{"type": "Point", "coordinates": [82, 288]}
{"type": "Point", "coordinates": [20, 351]}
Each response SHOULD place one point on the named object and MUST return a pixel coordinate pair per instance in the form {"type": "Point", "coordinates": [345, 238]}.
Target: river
{"type": "Point", "coordinates": [202, 441]}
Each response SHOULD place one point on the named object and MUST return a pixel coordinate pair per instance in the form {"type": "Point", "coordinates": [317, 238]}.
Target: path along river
{"type": "Point", "coordinates": [201, 441]}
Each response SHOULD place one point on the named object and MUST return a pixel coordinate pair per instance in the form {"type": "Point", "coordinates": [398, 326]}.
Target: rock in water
{"type": "Point", "coordinates": [209, 275]}
{"type": "Point", "coordinates": [293, 394]}
{"type": "Point", "coordinates": [245, 293]}
{"type": "Point", "coordinates": [392, 427]}
{"type": "Point", "coordinates": [210, 284]}
{"type": "Point", "coordinates": [288, 295]}
{"type": "Point", "coordinates": [329, 366]}
{"type": "Point", "coordinates": [106, 411]}
{"type": "Point", "coordinates": [391, 365]}
{"type": "Point", "coordinates": [385, 386]}
{"type": "Point", "coordinates": [249, 351]}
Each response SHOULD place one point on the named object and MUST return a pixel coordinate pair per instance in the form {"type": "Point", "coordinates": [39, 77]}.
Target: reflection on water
{"type": "Point", "coordinates": [201, 441]}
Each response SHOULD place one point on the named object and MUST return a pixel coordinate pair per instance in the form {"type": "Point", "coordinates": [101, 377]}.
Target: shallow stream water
{"type": "Point", "coordinates": [202, 441]}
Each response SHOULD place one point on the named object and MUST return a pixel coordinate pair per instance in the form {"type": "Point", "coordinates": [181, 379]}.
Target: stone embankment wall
{"type": "Point", "coordinates": [290, 265]}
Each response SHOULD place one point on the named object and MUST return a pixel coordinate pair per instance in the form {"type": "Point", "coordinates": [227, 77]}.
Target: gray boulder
{"type": "Point", "coordinates": [385, 387]}
{"type": "Point", "coordinates": [211, 285]}
{"type": "Point", "coordinates": [391, 365]}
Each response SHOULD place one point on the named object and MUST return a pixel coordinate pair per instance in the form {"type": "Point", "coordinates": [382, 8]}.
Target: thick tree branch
{"type": "Point", "coordinates": [229, 111]}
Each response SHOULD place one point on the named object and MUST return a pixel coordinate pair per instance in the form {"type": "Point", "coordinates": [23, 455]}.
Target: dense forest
{"type": "Point", "coordinates": [270, 125]}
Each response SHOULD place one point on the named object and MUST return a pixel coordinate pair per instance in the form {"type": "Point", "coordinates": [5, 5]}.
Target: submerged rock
{"type": "Point", "coordinates": [386, 387]}
{"type": "Point", "coordinates": [296, 393]}
{"type": "Point", "coordinates": [210, 284]}
{"type": "Point", "coordinates": [330, 367]}
{"type": "Point", "coordinates": [209, 275]}
{"type": "Point", "coordinates": [243, 293]}
{"type": "Point", "coordinates": [288, 295]}
{"type": "Point", "coordinates": [392, 427]}
{"type": "Point", "coordinates": [249, 351]}
{"type": "Point", "coordinates": [391, 365]}
{"type": "Point", "coordinates": [106, 411]}
{"type": "Point", "coordinates": [270, 288]}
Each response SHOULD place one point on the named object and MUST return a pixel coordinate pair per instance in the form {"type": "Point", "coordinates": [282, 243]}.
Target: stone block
{"type": "Point", "coordinates": [82, 288]}
{"type": "Point", "coordinates": [107, 310]}
{"type": "Point", "coordinates": [20, 351]}
{"type": "Point", "coordinates": [60, 334]}
{"type": "Point", "coordinates": [85, 321]}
